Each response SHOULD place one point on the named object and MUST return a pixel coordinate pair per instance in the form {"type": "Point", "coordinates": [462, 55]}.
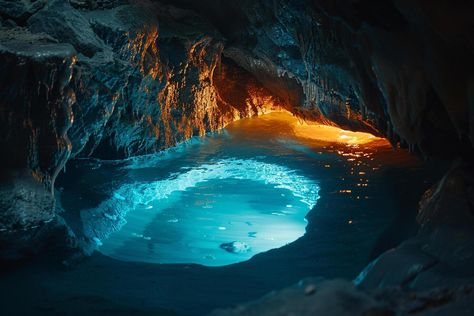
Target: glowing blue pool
{"type": "Point", "coordinates": [218, 213]}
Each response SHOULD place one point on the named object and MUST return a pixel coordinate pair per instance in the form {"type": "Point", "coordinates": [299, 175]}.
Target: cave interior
{"type": "Point", "coordinates": [251, 157]}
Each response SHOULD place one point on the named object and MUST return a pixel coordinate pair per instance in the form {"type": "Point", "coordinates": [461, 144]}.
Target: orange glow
{"type": "Point", "coordinates": [329, 134]}
{"type": "Point", "coordinates": [333, 134]}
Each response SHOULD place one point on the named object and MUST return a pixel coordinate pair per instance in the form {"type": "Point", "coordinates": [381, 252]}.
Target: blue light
{"type": "Point", "coordinates": [217, 213]}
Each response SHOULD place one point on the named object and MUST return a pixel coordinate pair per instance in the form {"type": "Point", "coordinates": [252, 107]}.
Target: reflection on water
{"type": "Point", "coordinates": [225, 197]}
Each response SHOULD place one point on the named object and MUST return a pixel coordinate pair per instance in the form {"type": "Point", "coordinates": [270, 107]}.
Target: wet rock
{"type": "Point", "coordinates": [435, 265]}
{"type": "Point", "coordinates": [339, 297]}
{"type": "Point", "coordinates": [447, 219]}
{"type": "Point", "coordinates": [236, 247]}
{"type": "Point", "coordinates": [364, 66]}
{"type": "Point", "coordinates": [112, 83]}
{"type": "Point", "coordinates": [404, 263]}
{"type": "Point", "coordinates": [34, 123]}
{"type": "Point", "coordinates": [336, 297]}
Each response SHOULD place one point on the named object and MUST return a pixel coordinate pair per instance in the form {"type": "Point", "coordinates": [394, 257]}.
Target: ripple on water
{"type": "Point", "coordinates": [213, 214]}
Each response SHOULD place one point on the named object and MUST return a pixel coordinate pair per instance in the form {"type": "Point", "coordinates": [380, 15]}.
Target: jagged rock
{"type": "Point", "coordinates": [443, 245]}
{"type": "Point", "coordinates": [96, 4]}
{"type": "Point", "coordinates": [19, 11]}
{"type": "Point", "coordinates": [365, 66]}
{"type": "Point", "coordinates": [59, 20]}
{"type": "Point", "coordinates": [313, 297]}
{"type": "Point", "coordinates": [340, 297]}
{"type": "Point", "coordinates": [132, 79]}
{"type": "Point", "coordinates": [34, 126]}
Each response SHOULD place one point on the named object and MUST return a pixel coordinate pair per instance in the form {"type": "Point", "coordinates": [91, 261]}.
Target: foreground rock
{"type": "Point", "coordinates": [341, 298]}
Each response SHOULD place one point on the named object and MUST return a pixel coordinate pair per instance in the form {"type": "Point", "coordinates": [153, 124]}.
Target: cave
{"type": "Point", "coordinates": [252, 157]}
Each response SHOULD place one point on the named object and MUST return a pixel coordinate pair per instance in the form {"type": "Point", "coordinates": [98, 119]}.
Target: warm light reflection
{"type": "Point", "coordinates": [325, 133]}
{"type": "Point", "coordinates": [332, 134]}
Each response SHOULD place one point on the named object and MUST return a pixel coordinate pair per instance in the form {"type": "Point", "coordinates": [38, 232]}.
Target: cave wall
{"type": "Point", "coordinates": [105, 79]}
{"type": "Point", "coordinates": [400, 68]}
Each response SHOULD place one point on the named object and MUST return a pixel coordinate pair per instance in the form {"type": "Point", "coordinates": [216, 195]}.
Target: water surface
{"type": "Point", "coordinates": [223, 198]}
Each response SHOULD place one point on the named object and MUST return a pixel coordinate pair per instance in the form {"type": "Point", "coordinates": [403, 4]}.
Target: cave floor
{"type": "Point", "coordinates": [345, 231]}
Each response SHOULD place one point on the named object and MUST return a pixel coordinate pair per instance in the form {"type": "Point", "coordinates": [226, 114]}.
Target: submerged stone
{"type": "Point", "coordinates": [236, 247]}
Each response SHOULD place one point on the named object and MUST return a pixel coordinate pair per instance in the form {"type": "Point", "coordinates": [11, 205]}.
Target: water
{"type": "Point", "coordinates": [212, 214]}
{"type": "Point", "coordinates": [223, 198]}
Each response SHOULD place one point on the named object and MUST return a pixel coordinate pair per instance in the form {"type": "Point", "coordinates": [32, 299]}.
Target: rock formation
{"type": "Point", "coordinates": [113, 79]}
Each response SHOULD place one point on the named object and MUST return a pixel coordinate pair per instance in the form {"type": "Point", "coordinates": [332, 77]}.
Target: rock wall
{"type": "Point", "coordinates": [109, 80]}
{"type": "Point", "coordinates": [403, 69]}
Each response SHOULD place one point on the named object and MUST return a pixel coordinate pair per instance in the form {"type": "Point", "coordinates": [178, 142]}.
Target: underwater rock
{"type": "Point", "coordinates": [235, 247]}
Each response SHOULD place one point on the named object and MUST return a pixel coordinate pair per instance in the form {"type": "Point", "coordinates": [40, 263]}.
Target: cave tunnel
{"type": "Point", "coordinates": [252, 157]}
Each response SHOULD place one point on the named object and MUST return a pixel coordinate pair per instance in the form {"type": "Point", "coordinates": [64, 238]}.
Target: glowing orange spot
{"type": "Point", "coordinates": [334, 134]}
{"type": "Point", "coordinates": [326, 133]}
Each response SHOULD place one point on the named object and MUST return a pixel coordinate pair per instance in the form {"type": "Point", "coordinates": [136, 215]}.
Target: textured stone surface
{"type": "Point", "coordinates": [112, 80]}
{"type": "Point", "coordinates": [314, 297]}
{"type": "Point", "coordinates": [388, 66]}
{"type": "Point", "coordinates": [35, 111]}
{"type": "Point", "coordinates": [339, 297]}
